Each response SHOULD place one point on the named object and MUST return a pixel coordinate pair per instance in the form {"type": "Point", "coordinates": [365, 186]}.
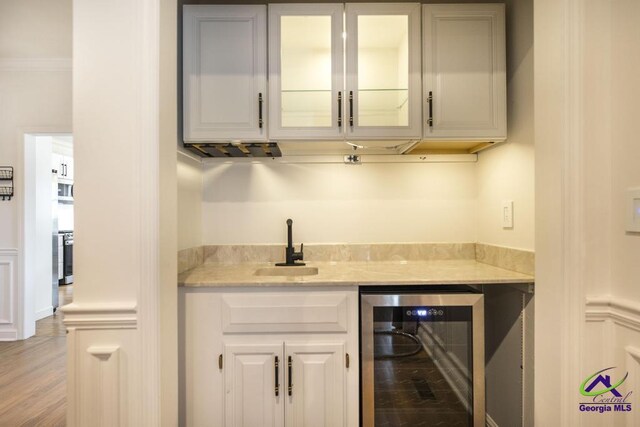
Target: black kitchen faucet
{"type": "Point", "coordinates": [291, 255]}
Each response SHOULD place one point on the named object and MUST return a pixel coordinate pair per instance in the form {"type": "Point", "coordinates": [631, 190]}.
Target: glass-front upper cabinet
{"type": "Point", "coordinates": [306, 71]}
{"type": "Point", "coordinates": [383, 66]}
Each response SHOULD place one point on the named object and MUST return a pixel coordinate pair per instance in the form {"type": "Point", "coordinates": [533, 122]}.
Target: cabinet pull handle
{"type": "Point", "coordinates": [430, 101]}
{"type": "Point", "coordinates": [351, 108]}
{"type": "Point", "coordinates": [277, 377]}
{"type": "Point", "coordinates": [346, 360]}
{"type": "Point", "coordinates": [339, 109]}
{"type": "Point", "coordinates": [220, 362]}
{"type": "Point", "coordinates": [290, 385]}
{"type": "Point", "coordinates": [260, 110]}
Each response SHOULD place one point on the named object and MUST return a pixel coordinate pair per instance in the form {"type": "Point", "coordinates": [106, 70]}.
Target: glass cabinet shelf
{"type": "Point", "coordinates": [383, 107]}
{"type": "Point", "coordinates": [306, 108]}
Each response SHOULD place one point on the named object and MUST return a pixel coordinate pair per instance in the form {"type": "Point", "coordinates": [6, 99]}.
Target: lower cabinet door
{"type": "Point", "coordinates": [251, 378]}
{"type": "Point", "coordinates": [315, 385]}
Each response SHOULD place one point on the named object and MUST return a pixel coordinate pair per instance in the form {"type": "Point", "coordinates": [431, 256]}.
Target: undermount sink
{"type": "Point", "coordinates": [287, 271]}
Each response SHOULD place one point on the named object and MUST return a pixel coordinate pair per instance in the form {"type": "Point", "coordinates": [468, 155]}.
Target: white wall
{"type": "Point", "coordinates": [506, 172]}
{"type": "Point", "coordinates": [35, 89]}
{"type": "Point", "coordinates": [330, 203]}
{"type": "Point", "coordinates": [189, 207]}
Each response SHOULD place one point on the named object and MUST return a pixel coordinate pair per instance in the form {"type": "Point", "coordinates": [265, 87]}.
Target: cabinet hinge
{"type": "Point", "coordinates": [220, 362]}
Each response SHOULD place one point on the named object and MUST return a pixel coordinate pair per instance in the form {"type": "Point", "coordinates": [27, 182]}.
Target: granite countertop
{"type": "Point", "coordinates": [354, 273]}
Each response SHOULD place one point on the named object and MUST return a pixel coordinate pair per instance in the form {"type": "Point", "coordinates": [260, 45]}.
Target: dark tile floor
{"type": "Point", "coordinates": [411, 391]}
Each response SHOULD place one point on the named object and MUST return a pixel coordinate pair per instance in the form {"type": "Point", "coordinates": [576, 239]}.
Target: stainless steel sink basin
{"type": "Point", "coordinates": [287, 271]}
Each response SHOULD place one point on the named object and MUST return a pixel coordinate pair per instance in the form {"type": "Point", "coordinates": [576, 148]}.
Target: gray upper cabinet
{"type": "Point", "coordinates": [224, 73]}
{"type": "Point", "coordinates": [345, 72]}
{"type": "Point", "coordinates": [464, 82]}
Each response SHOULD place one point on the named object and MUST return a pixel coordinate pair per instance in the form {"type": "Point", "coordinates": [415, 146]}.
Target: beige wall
{"type": "Point", "coordinates": [35, 85]}
{"type": "Point", "coordinates": [35, 97]}
{"type": "Point", "coordinates": [35, 94]}
{"type": "Point", "coordinates": [249, 203]}
{"type": "Point", "coordinates": [625, 147]}
{"type": "Point", "coordinates": [611, 156]}
{"type": "Point", "coordinates": [189, 201]}
{"type": "Point", "coordinates": [506, 172]}
{"type": "Point", "coordinates": [35, 29]}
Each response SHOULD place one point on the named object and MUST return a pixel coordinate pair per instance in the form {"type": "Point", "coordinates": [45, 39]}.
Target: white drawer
{"type": "Point", "coordinates": [284, 312]}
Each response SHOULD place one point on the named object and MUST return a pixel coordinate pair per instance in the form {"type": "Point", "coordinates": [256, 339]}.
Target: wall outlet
{"type": "Point", "coordinates": [507, 214]}
{"type": "Point", "coordinates": [633, 210]}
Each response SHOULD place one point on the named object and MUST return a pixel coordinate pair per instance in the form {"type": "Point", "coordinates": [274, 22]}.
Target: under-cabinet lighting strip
{"type": "Point", "coordinates": [340, 159]}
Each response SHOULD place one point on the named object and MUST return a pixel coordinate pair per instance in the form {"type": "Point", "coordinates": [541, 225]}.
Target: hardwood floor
{"type": "Point", "coordinates": [33, 374]}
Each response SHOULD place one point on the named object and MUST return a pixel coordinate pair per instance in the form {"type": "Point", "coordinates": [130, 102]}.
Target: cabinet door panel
{"type": "Point", "coordinates": [318, 385]}
{"type": "Point", "coordinates": [464, 57]}
{"type": "Point", "coordinates": [383, 71]}
{"type": "Point", "coordinates": [250, 398]}
{"type": "Point", "coordinates": [224, 72]}
{"type": "Point", "coordinates": [305, 70]}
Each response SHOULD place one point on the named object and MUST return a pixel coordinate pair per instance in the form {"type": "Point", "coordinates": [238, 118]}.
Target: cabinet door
{"type": "Point", "coordinates": [464, 60]}
{"type": "Point", "coordinates": [251, 399]}
{"type": "Point", "coordinates": [383, 71]}
{"type": "Point", "coordinates": [317, 385]}
{"type": "Point", "coordinates": [306, 75]}
{"type": "Point", "coordinates": [224, 73]}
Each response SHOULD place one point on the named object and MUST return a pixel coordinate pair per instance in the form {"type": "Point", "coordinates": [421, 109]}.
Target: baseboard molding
{"type": "Point", "coordinates": [8, 334]}
{"type": "Point", "coordinates": [45, 312]}
{"type": "Point", "coordinates": [490, 422]}
{"type": "Point", "coordinates": [100, 316]}
{"type": "Point", "coordinates": [620, 312]}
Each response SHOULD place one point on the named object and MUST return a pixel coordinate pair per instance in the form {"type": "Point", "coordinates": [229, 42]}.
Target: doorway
{"type": "Point", "coordinates": [48, 227]}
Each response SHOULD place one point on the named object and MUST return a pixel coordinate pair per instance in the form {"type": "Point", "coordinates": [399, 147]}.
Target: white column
{"type": "Point", "coordinates": [122, 341]}
{"type": "Point", "coordinates": [559, 236]}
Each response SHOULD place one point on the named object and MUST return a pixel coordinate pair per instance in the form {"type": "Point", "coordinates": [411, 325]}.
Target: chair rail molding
{"type": "Point", "coordinates": [100, 316]}
{"type": "Point", "coordinates": [606, 307]}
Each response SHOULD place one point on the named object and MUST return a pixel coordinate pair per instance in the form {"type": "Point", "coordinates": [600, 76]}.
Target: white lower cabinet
{"type": "Point", "coordinates": [274, 366]}
{"type": "Point", "coordinates": [284, 384]}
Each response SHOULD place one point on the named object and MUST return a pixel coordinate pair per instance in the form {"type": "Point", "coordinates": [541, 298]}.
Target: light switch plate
{"type": "Point", "coordinates": [633, 210]}
{"type": "Point", "coordinates": [507, 214]}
